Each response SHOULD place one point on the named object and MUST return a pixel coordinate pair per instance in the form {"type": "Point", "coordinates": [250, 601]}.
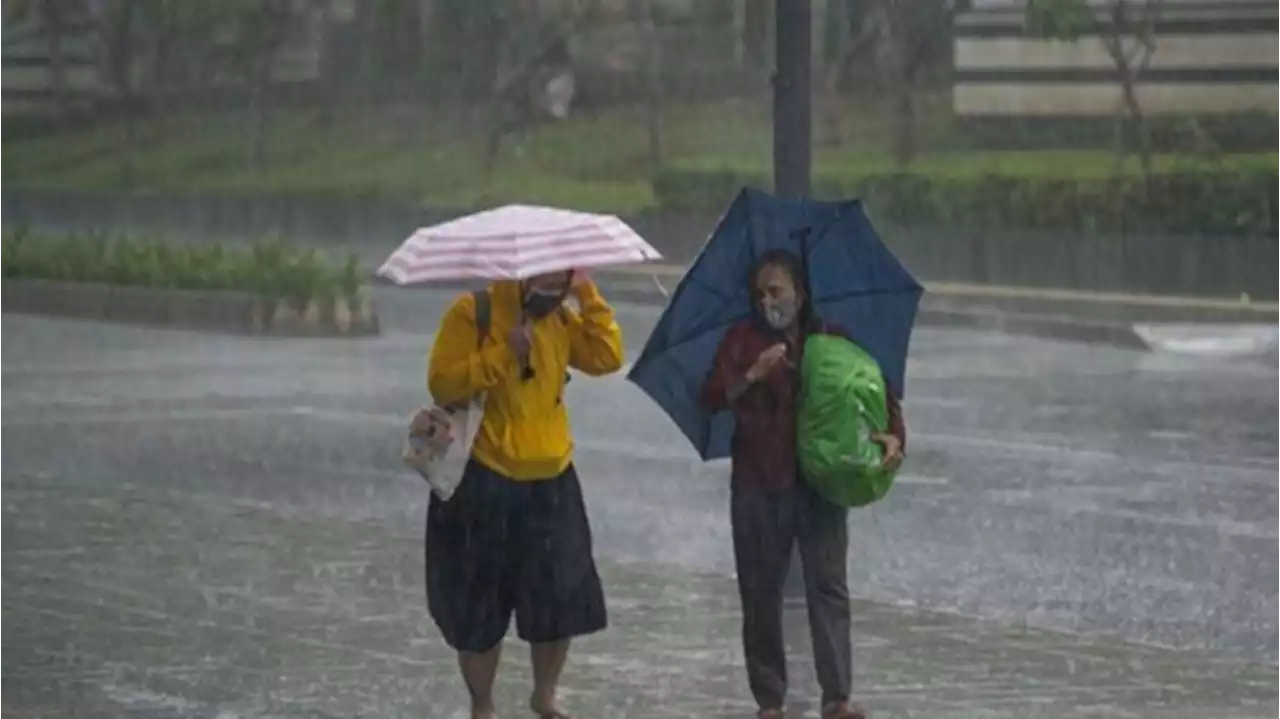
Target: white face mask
{"type": "Point", "coordinates": [780, 313]}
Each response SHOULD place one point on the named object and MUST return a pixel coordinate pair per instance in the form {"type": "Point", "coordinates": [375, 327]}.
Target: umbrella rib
{"type": "Point", "coordinates": [702, 332]}
{"type": "Point", "coordinates": [705, 286]}
{"type": "Point", "coordinates": [483, 246]}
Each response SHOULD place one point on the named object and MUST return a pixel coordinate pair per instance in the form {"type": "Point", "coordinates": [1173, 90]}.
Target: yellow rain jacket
{"type": "Point", "coordinates": [525, 432]}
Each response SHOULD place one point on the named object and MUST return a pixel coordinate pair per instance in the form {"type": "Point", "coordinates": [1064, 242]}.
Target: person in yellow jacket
{"type": "Point", "coordinates": [514, 537]}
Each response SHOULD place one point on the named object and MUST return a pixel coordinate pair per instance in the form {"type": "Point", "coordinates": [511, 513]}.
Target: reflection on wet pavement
{"type": "Point", "coordinates": [199, 524]}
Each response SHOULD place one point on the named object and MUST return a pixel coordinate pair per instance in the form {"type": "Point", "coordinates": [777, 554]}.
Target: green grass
{"type": "Point", "coordinates": [591, 163]}
{"type": "Point", "coordinates": [356, 154]}
{"type": "Point", "coordinates": [1066, 164]}
{"type": "Point", "coordinates": [270, 268]}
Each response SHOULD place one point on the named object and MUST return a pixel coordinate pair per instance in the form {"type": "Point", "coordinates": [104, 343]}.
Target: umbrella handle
{"type": "Point", "coordinates": [802, 235]}
{"type": "Point", "coordinates": [658, 283]}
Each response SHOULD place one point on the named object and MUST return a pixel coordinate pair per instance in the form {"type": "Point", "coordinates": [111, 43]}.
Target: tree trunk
{"type": "Point", "coordinates": [1130, 120]}
{"type": "Point", "coordinates": [847, 47]}
{"type": "Point", "coordinates": [259, 113]}
{"type": "Point", "coordinates": [55, 28]}
{"type": "Point", "coordinates": [425, 93]}
{"type": "Point", "coordinates": [328, 69]}
{"type": "Point", "coordinates": [902, 45]}
{"type": "Point", "coordinates": [1137, 123]}
{"type": "Point", "coordinates": [1113, 40]}
{"type": "Point", "coordinates": [832, 72]}
{"type": "Point", "coordinates": [904, 123]}
{"type": "Point", "coordinates": [497, 121]}
{"type": "Point", "coordinates": [498, 125]}
{"type": "Point", "coordinates": [121, 63]}
{"type": "Point", "coordinates": [653, 84]}
{"type": "Point", "coordinates": [364, 22]}
{"type": "Point", "coordinates": [161, 61]}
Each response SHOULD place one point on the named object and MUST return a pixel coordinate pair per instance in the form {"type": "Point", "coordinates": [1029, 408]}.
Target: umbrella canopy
{"type": "Point", "coordinates": [854, 282]}
{"type": "Point", "coordinates": [515, 242]}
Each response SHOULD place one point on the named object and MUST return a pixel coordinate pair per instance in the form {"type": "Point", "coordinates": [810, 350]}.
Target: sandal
{"type": "Point", "coordinates": [843, 710]}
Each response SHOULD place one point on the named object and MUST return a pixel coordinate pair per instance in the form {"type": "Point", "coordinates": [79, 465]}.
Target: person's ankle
{"type": "Point", "coordinates": [544, 701]}
{"type": "Point", "coordinates": [843, 709]}
{"type": "Point", "coordinates": [482, 709]}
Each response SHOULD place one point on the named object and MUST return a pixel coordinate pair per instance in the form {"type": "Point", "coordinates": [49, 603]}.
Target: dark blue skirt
{"type": "Point", "coordinates": [499, 547]}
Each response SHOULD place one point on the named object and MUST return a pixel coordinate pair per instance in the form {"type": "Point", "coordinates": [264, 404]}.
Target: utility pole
{"type": "Point", "coordinates": [792, 99]}
{"type": "Point", "coordinates": [792, 143]}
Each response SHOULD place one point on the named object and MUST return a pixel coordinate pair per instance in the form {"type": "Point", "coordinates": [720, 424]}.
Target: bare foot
{"type": "Point", "coordinates": [547, 709]}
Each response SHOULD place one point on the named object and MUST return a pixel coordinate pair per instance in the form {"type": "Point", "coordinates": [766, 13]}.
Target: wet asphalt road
{"type": "Point", "coordinates": [1058, 485]}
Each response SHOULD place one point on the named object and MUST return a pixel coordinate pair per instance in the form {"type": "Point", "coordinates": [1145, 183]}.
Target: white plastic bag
{"type": "Point", "coordinates": [438, 445]}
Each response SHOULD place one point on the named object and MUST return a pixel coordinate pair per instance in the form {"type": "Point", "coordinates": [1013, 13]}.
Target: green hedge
{"type": "Point", "coordinates": [270, 268]}
{"type": "Point", "coordinates": [1235, 202]}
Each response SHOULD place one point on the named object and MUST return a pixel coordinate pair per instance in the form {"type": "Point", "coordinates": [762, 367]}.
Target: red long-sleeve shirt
{"type": "Point", "coordinates": [764, 434]}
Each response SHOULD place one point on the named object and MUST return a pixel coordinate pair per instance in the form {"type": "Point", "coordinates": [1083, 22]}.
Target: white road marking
{"type": "Point", "coordinates": [1058, 503]}
{"type": "Point", "coordinates": [1018, 448]}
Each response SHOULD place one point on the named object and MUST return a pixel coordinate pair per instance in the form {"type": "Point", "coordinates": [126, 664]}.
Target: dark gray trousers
{"type": "Point", "coordinates": [765, 524]}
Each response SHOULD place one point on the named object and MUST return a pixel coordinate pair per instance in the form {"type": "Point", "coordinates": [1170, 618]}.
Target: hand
{"type": "Point", "coordinates": [892, 450]}
{"type": "Point", "coordinates": [582, 284]}
{"type": "Point", "coordinates": [520, 339]}
{"type": "Point", "coordinates": [430, 432]}
{"type": "Point", "coordinates": [767, 362]}
{"type": "Point", "coordinates": [426, 421]}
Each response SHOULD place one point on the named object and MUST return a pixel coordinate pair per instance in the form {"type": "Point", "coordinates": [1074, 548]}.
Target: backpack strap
{"type": "Point", "coordinates": [484, 314]}
{"type": "Point", "coordinates": [484, 318]}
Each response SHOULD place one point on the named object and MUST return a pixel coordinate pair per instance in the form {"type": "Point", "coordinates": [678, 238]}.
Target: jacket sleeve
{"type": "Point", "coordinates": [457, 369]}
{"type": "Point", "coordinates": [595, 339]}
{"type": "Point", "coordinates": [727, 373]}
{"type": "Point", "coordinates": [897, 426]}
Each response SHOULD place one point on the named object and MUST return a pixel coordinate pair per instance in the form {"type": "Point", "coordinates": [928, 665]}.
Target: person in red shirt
{"type": "Point", "coordinates": [755, 375]}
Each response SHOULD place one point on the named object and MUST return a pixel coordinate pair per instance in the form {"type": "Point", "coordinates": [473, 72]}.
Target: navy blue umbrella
{"type": "Point", "coordinates": [854, 282]}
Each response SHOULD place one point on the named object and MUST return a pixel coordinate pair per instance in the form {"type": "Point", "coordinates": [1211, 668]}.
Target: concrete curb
{"type": "Point", "coordinates": [647, 291]}
{"type": "Point", "coordinates": [1068, 329]}
{"type": "Point", "coordinates": [231, 312]}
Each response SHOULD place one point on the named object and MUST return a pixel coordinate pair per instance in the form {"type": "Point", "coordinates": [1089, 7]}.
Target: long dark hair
{"type": "Point", "coordinates": [791, 264]}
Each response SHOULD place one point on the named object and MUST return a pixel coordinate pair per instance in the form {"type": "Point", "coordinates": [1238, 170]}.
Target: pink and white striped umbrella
{"type": "Point", "coordinates": [515, 242]}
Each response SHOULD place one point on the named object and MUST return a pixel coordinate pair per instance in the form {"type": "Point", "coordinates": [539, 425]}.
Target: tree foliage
{"type": "Point", "coordinates": [57, 18]}
{"type": "Point", "coordinates": [1127, 31]}
{"type": "Point", "coordinates": [910, 31]}
{"type": "Point", "coordinates": [1058, 19]}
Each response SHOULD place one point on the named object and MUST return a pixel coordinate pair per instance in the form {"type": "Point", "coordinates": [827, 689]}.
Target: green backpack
{"type": "Point", "coordinates": [842, 403]}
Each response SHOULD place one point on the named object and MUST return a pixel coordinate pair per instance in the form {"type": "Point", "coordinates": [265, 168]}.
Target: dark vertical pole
{"type": "Point", "coordinates": [792, 131]}
{"type": "Point", "coordinates": [792, 99]}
